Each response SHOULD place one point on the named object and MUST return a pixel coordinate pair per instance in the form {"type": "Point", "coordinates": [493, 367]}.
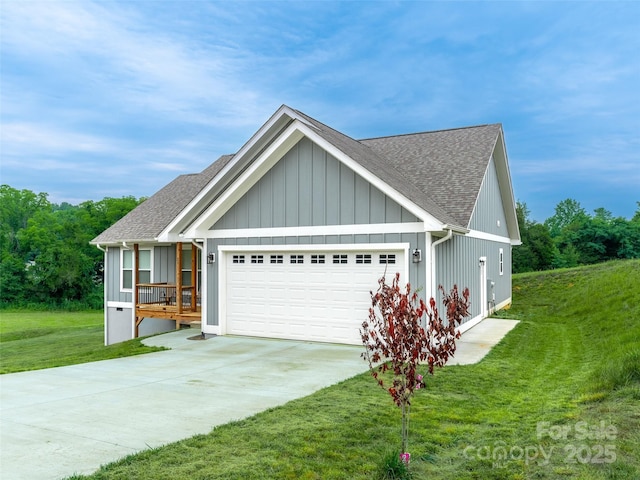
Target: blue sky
{"type": "Point", "coordinates": [105, 99]}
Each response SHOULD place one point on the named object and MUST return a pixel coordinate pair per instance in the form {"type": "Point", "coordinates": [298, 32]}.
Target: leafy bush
{"type": "Point", "coordinates": [393, 468]}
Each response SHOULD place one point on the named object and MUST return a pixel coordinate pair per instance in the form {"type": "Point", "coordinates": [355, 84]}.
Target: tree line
{"type": "Point", "coordinates": [46, 259]}
{"type": "Point", "coordinates": [572, 237]}
{"type": "Point", "coordinates": [45, 256]}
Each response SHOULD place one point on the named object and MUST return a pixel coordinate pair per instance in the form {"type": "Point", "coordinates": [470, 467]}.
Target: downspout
{"type": "Point", "coordinates": [447, 237]}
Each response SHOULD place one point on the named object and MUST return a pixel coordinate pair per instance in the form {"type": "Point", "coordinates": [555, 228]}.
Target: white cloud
{"type": "Point", "coordinates": [109, 48]}
{"type": "Point", "coordinates": [35, 139]}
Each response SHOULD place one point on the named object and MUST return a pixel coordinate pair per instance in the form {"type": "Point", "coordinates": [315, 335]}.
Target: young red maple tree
{"type": "Point", "coordinates": [397, 341]}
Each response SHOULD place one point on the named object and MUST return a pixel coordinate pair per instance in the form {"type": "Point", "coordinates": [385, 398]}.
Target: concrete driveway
{"type": "Point", "coordinates": [61, 421]}
{"type": "Point", "coordinates": [66, 420]}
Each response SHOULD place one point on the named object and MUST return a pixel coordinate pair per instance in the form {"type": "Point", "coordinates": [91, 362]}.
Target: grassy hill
{"type": "Point", "coordinates": [559, 397]}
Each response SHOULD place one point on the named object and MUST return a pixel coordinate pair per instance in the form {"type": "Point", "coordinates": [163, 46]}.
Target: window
{"type": "Point", "coordinates": [342, 258]}
{"type": "Point", "coordinates": [317, 258]}
{"type": "Point", "coordinates": [257, 259]}
{"type": "Point", "coordinates": [144, 269]}
{"type": "Point", "coordinates": [387, 258]}
{"type": "Point", "coordinates": [363, 258]}
{"type": "Point", "coordinates": [276, 259]}
{"type": "Point", "coordinates": [297, 258]}
{"type": "Point", "coordinates": [238, 259]}
{"type": "Point", "coordinates": [186, 266]}
{"type": "Point", "coordinates": [501, 261]}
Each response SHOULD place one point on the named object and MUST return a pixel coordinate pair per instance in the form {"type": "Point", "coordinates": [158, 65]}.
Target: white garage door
{"type": "Point", "coordinates": [318, 296]}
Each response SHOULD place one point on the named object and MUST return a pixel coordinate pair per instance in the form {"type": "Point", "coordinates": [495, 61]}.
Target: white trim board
{"type": "Point", "coordinates": [480, 235]}
{"type": "Point", "coordinates": [358, 229]}
{"type": "Point", "coordinates": [319, 247]}
{"type": "Point", "coordinates": [111, 304]}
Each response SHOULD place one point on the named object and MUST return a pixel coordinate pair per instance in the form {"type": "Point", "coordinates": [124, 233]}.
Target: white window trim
{"type": "Point", "coordinates": [133, 267]}
{"type": "Point", "coordinates": [501, 261]}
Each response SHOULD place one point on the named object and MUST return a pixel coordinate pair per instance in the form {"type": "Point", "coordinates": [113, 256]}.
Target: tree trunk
{"type": "Point", "coordinates": [406, 408]}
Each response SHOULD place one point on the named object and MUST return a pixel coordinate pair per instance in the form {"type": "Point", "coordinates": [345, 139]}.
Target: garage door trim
{"type": "Point", "coordinates": [225, 250]}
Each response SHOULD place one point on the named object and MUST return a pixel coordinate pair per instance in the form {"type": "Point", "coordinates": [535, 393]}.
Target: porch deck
{"type": "Point", "coordinates": [168, 302]}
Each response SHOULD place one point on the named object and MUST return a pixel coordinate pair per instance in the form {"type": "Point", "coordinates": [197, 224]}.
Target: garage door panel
{"type": "Point", "coordinates": [313, 301]}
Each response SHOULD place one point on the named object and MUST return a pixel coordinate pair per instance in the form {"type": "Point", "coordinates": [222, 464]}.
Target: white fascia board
{"type": "Point", "coordinates": [430, 222]}
{"type": "Point", "coordinates": [308, 231]}
{"type": "Point", "coordinates": [275, 151]}
{"type": "Point", "coordinates": [119, 243]}
{"type": "Point", "coordinates": [506, 187]}
{"type": "Point", "coordinates": [169, 234]}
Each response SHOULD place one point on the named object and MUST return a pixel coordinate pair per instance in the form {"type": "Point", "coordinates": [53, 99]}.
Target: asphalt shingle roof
{"type": "Point", "coordinates": [147, 220]}
{"type": "Point", "coordinates": [447, 165]}
{"type": "Point", "coordinates": [439, 171]}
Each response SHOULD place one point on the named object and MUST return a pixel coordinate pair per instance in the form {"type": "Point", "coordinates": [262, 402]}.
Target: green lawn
{"type": "Point", "coordinates": [558, 398]}
{"type": "Point", "coordinates": [31, 340]}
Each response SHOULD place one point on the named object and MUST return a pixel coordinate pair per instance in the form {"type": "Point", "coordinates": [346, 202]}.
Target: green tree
{"type": "Point", "coordinates": [537, 250]}
{"type": "Point", "coordinates": [636, 216]}
{"type": "Point", "coordinates": [45, 251]}
{"type": "Point", "coordinates": [582, 239]}
{"type": "Point", "coordinates": [16, 208]}
{"type": "Point", "coordinates": [567, 212]}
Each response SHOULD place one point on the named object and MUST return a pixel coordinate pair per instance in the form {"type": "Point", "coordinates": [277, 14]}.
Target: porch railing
{"type": "Point", "coordinates": [166, 295]}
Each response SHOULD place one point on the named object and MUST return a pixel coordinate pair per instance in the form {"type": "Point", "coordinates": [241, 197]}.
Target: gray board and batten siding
{"type": "Point", "coordinates": [489, 215]}
{"type": "Point", "coordinates": [163, 270]}
{"type": "Point", "coordinates": [457, 260]}
{"type": "Point", "coordinates": [309, 187]}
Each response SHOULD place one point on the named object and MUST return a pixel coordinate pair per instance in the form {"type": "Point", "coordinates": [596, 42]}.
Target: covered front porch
{"type": "Point", "coordinates": [179, 301]}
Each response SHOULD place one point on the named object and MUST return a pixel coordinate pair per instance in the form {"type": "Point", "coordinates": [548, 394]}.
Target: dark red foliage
{"type": "Point", "coordinates": [396, 339]}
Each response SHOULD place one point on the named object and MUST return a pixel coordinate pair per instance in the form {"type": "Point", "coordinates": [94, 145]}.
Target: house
{"type": "Point", "coordinates": [287, 237]}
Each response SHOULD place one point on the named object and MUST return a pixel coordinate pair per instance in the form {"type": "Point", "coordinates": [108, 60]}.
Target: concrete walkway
{"type": "Point", "coordinates": [66, 420]}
